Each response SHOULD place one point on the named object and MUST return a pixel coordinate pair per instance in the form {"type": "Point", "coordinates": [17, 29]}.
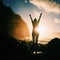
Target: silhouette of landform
{"type": "Point", "coordinates": [12, 24]}
{"type": "Point", "coordinates": [12, 48]}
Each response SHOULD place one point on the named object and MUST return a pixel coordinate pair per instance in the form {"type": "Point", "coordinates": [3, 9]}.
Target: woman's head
{"type": "Point", "coordinates": [35, 20]}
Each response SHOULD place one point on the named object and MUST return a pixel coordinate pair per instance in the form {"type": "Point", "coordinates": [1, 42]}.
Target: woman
{"type": "Point", "coordinates": [35, 24]}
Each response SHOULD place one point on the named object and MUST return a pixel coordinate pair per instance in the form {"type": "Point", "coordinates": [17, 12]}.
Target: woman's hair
{"type": "Point", "coordinates": [35, 20]}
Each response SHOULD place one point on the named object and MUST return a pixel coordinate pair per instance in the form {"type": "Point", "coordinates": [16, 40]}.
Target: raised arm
{"type": "Point", "coordinates": [31, 18]}
{"type": "Point", "coordinates": [39, 17]}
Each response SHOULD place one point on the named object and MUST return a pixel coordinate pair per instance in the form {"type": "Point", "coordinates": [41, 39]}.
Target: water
{"type": "Point", "coordinates": [43, 42]}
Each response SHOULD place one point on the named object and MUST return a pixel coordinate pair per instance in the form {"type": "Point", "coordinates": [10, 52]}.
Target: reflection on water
{"type": "Point", "coordinates": [43, 42]}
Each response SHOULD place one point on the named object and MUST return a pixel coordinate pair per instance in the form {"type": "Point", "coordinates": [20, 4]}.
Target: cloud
{"type": "Point", "coordinates": [55, 34]}
{"type": "Point", "coordinates": [47, 5]}
{"type": "Point", "coordinates": [36, 14]}
{"type": "Point", "coordinates": [25, 1]}
{"type": "Point", "coordinates": [57, 20]}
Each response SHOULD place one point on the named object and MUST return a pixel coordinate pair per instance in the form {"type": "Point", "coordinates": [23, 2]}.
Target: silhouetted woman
{"type": "Point", "coordinates": [35, 24]}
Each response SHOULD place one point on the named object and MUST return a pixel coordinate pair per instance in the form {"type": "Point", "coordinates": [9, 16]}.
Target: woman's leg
{"type": "Point", "coordinates": [33, 37]}
{"type": "Point", "coordinates": [37, 36]}
{"type": "Point", "coordinates": [37, 42]}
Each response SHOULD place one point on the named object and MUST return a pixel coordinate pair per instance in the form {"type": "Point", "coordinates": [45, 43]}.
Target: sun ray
{"type": "Point", "coordinates": [42, 31]}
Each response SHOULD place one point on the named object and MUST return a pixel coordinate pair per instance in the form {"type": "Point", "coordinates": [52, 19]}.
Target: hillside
{"type": "Point", "coordinates": [12, 24]}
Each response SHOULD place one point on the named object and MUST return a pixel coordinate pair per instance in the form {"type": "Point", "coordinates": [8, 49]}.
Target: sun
{"type": "Point", "coordinates": [41, 30]}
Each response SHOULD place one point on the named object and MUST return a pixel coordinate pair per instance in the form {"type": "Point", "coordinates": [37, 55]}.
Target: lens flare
{"type": "Point", "coordinates": [41, 30]}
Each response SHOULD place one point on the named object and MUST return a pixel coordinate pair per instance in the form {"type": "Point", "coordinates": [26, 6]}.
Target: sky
{"type": "Point", "coordinates": [50, 9]}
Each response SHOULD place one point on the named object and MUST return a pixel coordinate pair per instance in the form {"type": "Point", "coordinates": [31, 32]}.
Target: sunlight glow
{"type": "Point", "coordinates": [42, 31]}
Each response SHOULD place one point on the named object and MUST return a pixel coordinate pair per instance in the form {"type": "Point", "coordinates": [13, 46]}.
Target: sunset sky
{"type": "Point", "coordinates": [50, 9]}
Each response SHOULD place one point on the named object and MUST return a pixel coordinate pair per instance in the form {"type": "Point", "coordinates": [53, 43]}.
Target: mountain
{"type": "Point", "coordinates": [20, 30]}
{"type": "Point", "coordinates": [12, 24]}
